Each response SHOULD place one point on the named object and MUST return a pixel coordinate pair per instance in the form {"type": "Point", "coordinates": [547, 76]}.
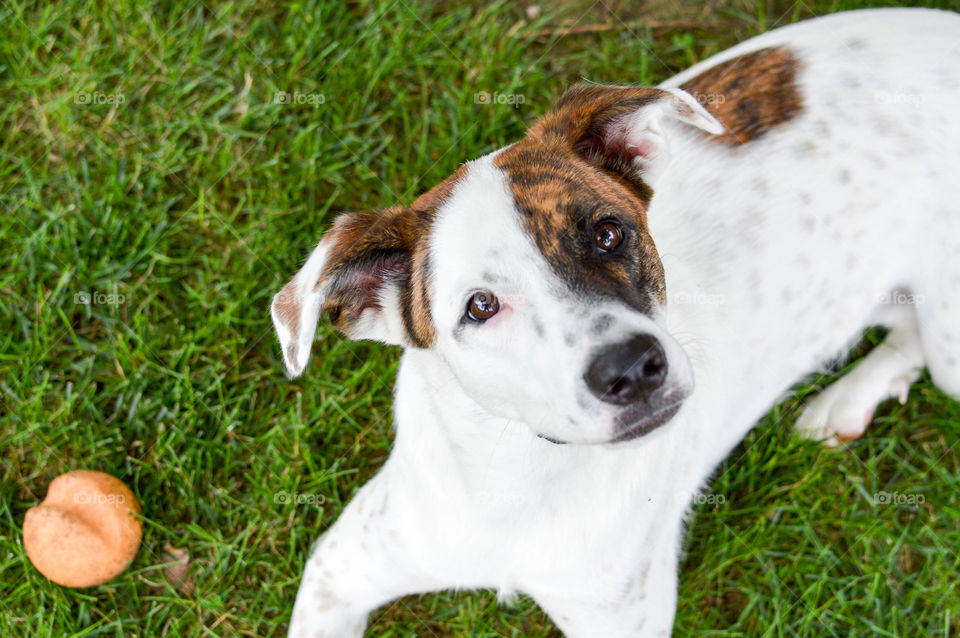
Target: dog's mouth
{"type": "Point", "coordinates": [635, 423]}
{"type": "Point", "coordinates": [640, 421]}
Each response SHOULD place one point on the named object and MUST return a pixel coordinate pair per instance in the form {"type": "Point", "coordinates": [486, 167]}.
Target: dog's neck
{"type": "Point", "coordinates": [449, 435]}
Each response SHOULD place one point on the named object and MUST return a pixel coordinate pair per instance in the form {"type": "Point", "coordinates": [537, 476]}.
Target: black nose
{"type": "Point", "coordinates": [627, 372]}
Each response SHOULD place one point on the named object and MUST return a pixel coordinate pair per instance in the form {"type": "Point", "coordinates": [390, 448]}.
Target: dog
{"type": "Point", "coordinates": [594, 316]}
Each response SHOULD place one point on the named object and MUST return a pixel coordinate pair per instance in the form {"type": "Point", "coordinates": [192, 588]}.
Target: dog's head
{"type": "Point", "coordinates": [530, 273]}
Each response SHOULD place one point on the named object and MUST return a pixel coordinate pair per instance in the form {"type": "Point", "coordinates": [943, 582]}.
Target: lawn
{"type": "Point", "coordinates": [164, 169]}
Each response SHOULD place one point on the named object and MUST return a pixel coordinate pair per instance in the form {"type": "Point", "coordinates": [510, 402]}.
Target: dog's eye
{"type": "Point", "coordinates": [607, 236]}
{"type": "Point", "coordinates": [482, 306]}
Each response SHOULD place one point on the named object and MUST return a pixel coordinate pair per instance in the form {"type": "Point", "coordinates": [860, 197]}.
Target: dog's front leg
{"type": "Point", "coordinates": [365, 560]}
{"type": "Point", "coordinates": [640, 604]}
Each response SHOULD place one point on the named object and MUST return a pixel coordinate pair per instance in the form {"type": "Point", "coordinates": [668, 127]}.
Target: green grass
{"type": "Point", "coordinates": [199, 195]}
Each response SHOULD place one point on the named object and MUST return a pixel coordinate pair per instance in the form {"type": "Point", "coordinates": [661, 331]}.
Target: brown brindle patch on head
{"type": "Point", "coordinates": [582, 120]}
{"type": "Point", "coordinates": [750, 94]}
{"type": "Point", "coordinates": [564, 183]}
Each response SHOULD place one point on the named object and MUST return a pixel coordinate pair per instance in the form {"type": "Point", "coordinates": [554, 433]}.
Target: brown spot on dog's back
{"type": "Point", "coordinates": [750, 94]}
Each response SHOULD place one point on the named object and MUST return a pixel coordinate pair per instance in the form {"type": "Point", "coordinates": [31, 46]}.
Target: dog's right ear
{"type": "Point", "coordinates": [359, 275]}
{"type": "Point", "coordinates": [619, 128]}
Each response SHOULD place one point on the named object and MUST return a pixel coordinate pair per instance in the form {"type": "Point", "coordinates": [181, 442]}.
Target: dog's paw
{"type": "Point", "coordinates": [843, 411]}
{"type": "Point", "coordinates": [319, 627]}
{"type": "Point", "coordinates": [322, 620]}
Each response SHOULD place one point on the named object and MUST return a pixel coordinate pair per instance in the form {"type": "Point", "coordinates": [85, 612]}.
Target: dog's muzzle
{"type": "Point", "coordinates": [632, 374]}
{"type": "Point", "coordinates": [628, 372]}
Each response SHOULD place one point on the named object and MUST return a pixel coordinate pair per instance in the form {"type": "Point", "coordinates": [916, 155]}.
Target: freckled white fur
{"type": "Point", "coordinates": [777, 254]}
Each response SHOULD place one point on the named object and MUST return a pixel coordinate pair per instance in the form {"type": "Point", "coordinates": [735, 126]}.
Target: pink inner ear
{"type": "Point", "coordinates": [614, 146]}
{"type": "Point", "coordinates": [365, 282]}
{"type": "Point", "coordinates": [641, 147]}
{"type": "Point", "coordinates": [365, 287]}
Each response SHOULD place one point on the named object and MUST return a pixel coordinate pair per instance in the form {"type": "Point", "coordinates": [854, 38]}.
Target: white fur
{"type": "Point", "coordinates": [777, 255]}
{"type": "Point", "coordinates": [303, 293]}
{"type": "Point", "coordinates": [643, 131]}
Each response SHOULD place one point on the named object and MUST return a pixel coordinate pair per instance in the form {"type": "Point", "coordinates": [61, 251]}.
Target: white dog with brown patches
{"type": "Point", "coordinates": [595, 315]}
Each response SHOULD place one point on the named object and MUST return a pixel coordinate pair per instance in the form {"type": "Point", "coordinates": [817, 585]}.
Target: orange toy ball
{"type": "Point", "coordinates": [85, 532]}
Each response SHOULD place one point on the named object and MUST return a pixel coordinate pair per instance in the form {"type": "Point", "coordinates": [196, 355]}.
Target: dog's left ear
{"type": "Point", "coordinates": [621, 128]}
{"type": "Point", "coordinates": [359, 275]}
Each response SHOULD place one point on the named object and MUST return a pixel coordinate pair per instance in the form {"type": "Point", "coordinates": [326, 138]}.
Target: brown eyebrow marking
{"type": "Point", "coordinates": [750, 94]}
